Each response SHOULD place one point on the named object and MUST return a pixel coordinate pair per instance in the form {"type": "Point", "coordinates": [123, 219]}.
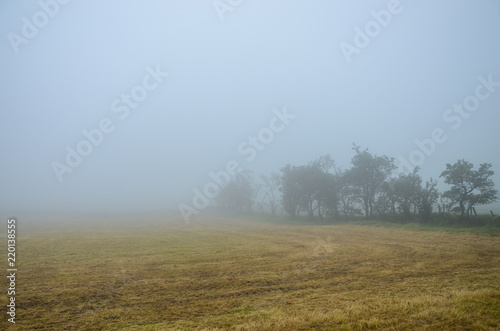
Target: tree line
{"type": "Point", "coordinates": [369, 189]}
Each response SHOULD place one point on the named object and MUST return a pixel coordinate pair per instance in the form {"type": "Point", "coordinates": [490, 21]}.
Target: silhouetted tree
{"type": "Point", "coordinates": [407, 189]}
{"type": "Point", "coordinates": [309, 188]}
{"type": "Point", "coordinates": [427, 198]}
{"type": "Point", "coordinates": [325, 197]}
{"type": "Point", "coordinates": [469, 187]}
{"type": "Point", "coordinates": [406, 193]}
{"type": "Point", "coordinates": [367, 176]}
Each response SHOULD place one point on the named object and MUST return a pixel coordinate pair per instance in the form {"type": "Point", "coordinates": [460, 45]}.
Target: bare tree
{"type": "Point", "coordinates": [272, 184]}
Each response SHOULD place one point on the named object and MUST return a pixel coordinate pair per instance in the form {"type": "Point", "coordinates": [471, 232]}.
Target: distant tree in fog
{"type": "Point", "coordinates": [327, 186]}
{"type": "Point", "coordinates": [310, 188]}
{"type": "Point", "coordinates": [368, 187]}
{"type": "Point", "coordinates": [405, 194]}
{"type": "Point", "coordinates": [272, 184]}
{"type": "Point", "coordinates": [294, 188]}
{"type": "Point", "coordinates": [237, 195]}
{"type": "Point", "coordinates": [367, 176]}
{"type": "Point", "coordinates": [469, 187]}
{"type": "Point", "coordinates": [406, 191]}
{"type": "Point", "coordinates": [347, 194]}
{"type": "Point", "coordinates": [427, 198]}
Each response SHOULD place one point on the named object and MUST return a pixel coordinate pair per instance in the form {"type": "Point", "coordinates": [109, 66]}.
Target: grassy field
{"type": "Point", "coordinates": [222, 274]}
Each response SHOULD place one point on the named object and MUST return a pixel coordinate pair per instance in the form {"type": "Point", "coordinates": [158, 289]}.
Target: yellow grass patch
{"type": "Point", "coordinates": [231, 274]}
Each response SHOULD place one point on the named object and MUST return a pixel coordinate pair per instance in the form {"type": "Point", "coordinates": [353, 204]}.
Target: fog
{"type": "Point", "coordinates": [127, 107]}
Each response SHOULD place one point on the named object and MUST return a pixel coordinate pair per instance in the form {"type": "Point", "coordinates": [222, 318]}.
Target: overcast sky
{"type": "Point", "coordinates": [175, 89]}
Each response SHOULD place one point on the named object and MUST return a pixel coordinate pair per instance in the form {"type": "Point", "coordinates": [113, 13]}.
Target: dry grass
{"type": "Point", "coordinates": [239, 275]}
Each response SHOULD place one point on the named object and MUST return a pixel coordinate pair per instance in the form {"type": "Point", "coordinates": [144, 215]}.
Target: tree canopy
{"type": "Point", "coordinates": [369, 188]}
{"type": "Point", "coordinates": [469, 187]}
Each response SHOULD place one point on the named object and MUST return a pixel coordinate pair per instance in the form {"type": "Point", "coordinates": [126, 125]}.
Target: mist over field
{"type": "Point", "coordinates": [179, 89]}
{"type": "Point", "coordinates": [250, 165]}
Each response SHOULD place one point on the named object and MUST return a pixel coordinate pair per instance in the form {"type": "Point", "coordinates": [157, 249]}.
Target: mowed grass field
{"type": "Point", "coordinates": [231, 274]}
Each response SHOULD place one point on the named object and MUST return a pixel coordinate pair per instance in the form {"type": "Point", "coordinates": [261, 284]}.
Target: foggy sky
{"type": "Point", "coordinates": [229, 72]}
